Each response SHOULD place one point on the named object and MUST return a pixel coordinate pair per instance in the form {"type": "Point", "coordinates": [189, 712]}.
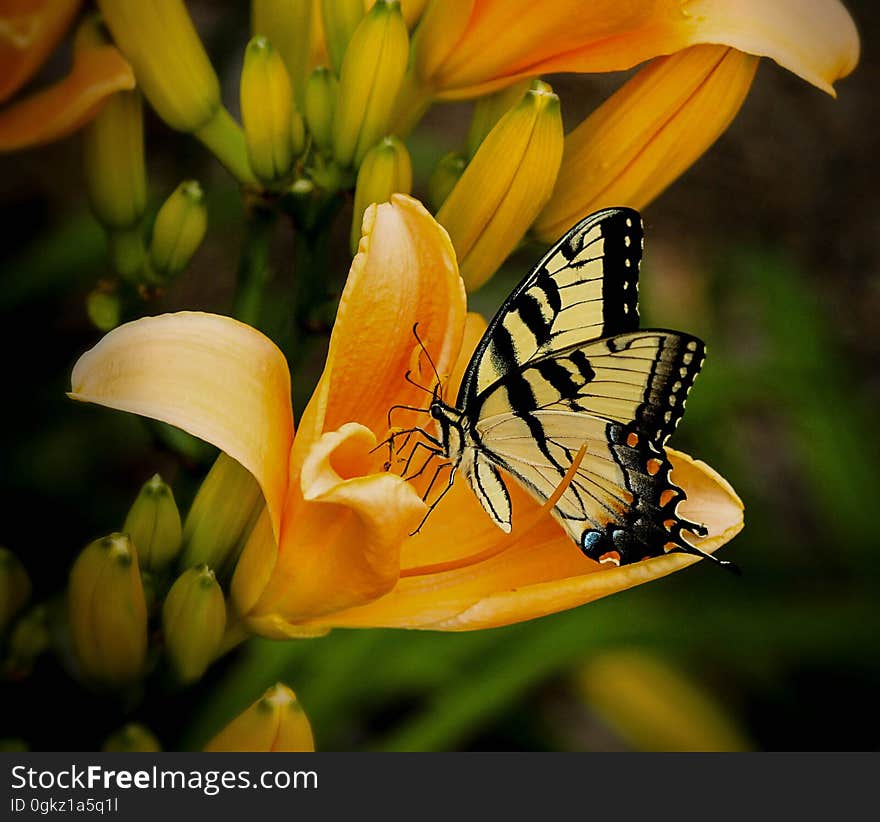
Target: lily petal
{"type": "Point", "coordinates": [647, 134]}
{"type": "Point", "coordinates": [341, 544]}
{"type": "Point", "coordinates": [544, 572]}
{"type": "Point", "coordinates": [404, 273]}
{"type": "Point", "coordinates": [213, 376]}
{"type": "Point", "coordinates": [61, 109]}
{"type": "Point", "coordinates": [815, 39]}
{"type": "Point", "coordinates": [29, 31]}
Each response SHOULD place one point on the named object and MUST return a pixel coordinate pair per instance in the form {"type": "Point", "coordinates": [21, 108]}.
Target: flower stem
{"type": "Point", "coordinates": [254, 271]}
{"type": "Point", "coordinates": [224, 137]}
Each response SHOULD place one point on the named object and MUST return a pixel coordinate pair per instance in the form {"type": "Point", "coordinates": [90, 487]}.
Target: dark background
{"type": "Point", "coordinates": [767, 249]}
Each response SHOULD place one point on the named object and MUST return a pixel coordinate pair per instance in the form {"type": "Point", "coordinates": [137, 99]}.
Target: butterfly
{"type": "Point", "coordinates": [563, 365]}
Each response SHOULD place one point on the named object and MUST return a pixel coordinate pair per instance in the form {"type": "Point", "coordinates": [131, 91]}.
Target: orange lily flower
{"type": "Point", "coordinates": [29, 32]}
{"type": "Point", "coordinates": [464, 48]}
{"type": "Point", "coordinates": [332, 547]}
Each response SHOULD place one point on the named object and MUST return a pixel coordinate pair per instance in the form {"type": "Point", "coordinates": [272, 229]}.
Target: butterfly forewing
{"type": "Point", "coordinates": [584, 288]}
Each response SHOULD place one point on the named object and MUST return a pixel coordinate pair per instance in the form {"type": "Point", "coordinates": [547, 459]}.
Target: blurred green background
{"type": "Point", "coordinates": [768, 249]}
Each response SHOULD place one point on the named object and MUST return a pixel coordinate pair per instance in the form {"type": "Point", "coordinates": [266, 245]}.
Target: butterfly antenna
{"type": "Point", "coordinates": [411, 381]}
{"type": "Point", "coordinates": [723, 563]}
{"type": "Point", "coordinates": [427, 353]}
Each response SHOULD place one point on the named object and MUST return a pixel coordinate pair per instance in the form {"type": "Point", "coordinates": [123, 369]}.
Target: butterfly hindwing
{"type": "Point", "coordinates": [623, 397]}
{"type": "Point", "coordinates": [585, 287]}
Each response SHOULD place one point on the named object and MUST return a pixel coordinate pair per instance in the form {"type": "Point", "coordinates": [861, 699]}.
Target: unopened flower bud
{"type": "Point", "coordinates": [288, 25]}
{"type": "Point", "coordinates": [104, 309]}
{"type": "Point", "coordinates": [266, 111]}
{"type": "Point", "coordinates": [385, 170]}
{"type": "Point", "coordinates": [505, 185]}
{"type": "Point", "coordinates": [179, 230]}
{"type": "Point", "coordinates": [28, 639]}
{"type": "Point", "coordinates": [372, 74]}
{"type": "Point", "coordinates": [113, 153]}
{"type": "Point", "coordinates": [175, 74]}
{"type": "Point", "coordinates": [193, 618]}
{"type": "Point", "coordinates": [322, 90]}
{"type": "Point", "coordinates": [443, 178]}
{"type": "Point", "coordinates": [153, 524]}
{"type": "Point", "coordinates": [15, 587]}
{"type": "Point", "coordinates": [107, 612]}
{"type": "Point", "coordinates": [341, 18]}
{"type": "Point", "coordinates": [488, 110]}
{"type": "Point", "coordinates": [132, 738]}
{"type": "Point", "coordinates": [275, 722]}
{"type": "Point", "coordinates": [221, 517]}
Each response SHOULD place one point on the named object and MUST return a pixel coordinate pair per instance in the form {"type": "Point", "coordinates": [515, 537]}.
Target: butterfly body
{"type": "Point", "coordinates": [563, 365]}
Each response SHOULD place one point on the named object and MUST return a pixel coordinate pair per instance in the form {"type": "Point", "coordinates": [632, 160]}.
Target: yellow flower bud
{"type": "Point", "coordinates": [372, 74]}
{"type": "Point", "coordinates": [179, 230]}
{"type": "Point", "coordinates": [341, 18]}
{"type": "Point", "coordinates": [443, 178]}
{"type": "Point", "coordinates": [193, 618]}
{"type": "Point", "coordinates": [266, 111]}
{"type": "Point", "coordinates": [275, 722]}
{"type": "Point", "coordinates": [132, 738]}
{"type": "Point", "coordinates": [385, 170]}
{"type": "Point", "coordinates": [321, 94]}
{"type": "Point", "coordinates": [169, 60]}
{"type": "Point", "coordinates": [221, 518]}
{"type": "Point", "coordinates": [489, 110]}
{"type": "Point", "coordinates": [28, 639]}
{"type": "Point", "coordinates": [107, 612]}
{"type": "Point", "coordinates": [287, 24]}
{"type": "Point", "coordinates": [113, 153]}
{"type": "Point", "coordinates": [153, 525]}
{"type": "Point", "coordinates": [175, 74]}
{"type": "Point", "coordinates": [505, 186]}
{"type": "Point", "coordinates": [15, 587]}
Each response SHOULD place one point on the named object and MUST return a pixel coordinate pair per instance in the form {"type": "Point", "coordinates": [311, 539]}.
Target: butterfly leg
{"type": "Point", "coordinates": [436, 502]}
{"type": "Point", "coordinates": [432, 453]}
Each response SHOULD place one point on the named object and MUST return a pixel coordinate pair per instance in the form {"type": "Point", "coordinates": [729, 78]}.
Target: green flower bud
{"type": "Point", "coordinates": [107, 612]}
{"type": "Point", "coordinates": [15, 587]}
{"type": "Point", "coordinates": [297, 133]}
{"type": "Point", "coordinates": [288, 26]}
{"type": "Point", "coordinates": [28, 639]}
{"type": "Point", "coordinates": [266, 111]}
{"type": "Point", "coordinates": [179, 230]}
{"type": "Point", "coordinates": [341, 18]}
{"type": "Point", "coordinates": [443, 178]}
{"type": "Point", "coordinates": [194, 618]}
{"type": "Point", "coordinates": [104, 309]}
{"type": "Point", "coordinates": [322, 90]}
{"type": "Point", "coordinates": [113, 152]}
{"type": "Point", "coordinates": [153, 524]}
{"type": "Point", "coordinates": [132, 738]}
{"type": "Point", "coordinates": [372, 74]}
{"type": "Point", "coordinates": [221, 518]}
{"type": "Point", "coordinates": [386, 170]}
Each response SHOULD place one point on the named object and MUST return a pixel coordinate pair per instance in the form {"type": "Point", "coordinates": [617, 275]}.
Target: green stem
{"type": "Point", "coordinates": [254, 271]}
{"type": "Point", "coordinates": [224, 137]}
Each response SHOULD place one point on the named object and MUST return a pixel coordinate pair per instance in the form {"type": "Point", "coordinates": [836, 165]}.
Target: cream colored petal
{"type": "Point", "coordinates": [215, 377]}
